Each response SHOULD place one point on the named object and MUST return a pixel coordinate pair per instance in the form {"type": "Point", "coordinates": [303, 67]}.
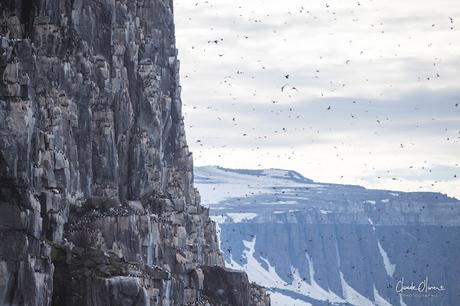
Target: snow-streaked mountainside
{"type": "Point", "coordinates": [321, 244]}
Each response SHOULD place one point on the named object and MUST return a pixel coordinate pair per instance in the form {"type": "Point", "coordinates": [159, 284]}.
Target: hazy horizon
{"type": "Point", "coordinates": [322, 182]}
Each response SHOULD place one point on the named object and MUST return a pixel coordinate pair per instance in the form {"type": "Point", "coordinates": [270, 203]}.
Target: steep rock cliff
{"type": "Point", "coordinates": [97, 204]}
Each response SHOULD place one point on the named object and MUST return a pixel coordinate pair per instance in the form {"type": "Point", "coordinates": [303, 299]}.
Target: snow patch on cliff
{"type": "Point", "coordinates": [313, 289]}
{"type": "Point", "coordinates": [256, 273]}
{"type": "Point", "coordinates": [389, 267]}
{"type": "Point", "coordinates": [270, 278]}
{"type": "Point", "coordinates": [278, 299]}
{"type": "Point", "coordinates": [352, 296]}
{"type": "Point", "coordinates": [379, 300]}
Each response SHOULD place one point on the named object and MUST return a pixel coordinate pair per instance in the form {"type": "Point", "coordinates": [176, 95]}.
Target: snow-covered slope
{"type": "Point", "coordinates": [321, 244]}
{"type": "Point", "coordinates": [220, 183]}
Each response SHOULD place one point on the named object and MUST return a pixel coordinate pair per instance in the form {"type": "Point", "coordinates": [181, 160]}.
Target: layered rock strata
{"type": "Point", "coordinates": [97, 203]}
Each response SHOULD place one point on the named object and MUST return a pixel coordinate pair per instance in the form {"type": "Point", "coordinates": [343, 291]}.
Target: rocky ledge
{"type": "Point", "coordinates": [97, 204]}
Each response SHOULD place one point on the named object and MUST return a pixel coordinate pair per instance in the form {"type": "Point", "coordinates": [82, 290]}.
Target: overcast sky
{"type": "Point", "coordinates": [358, 92]}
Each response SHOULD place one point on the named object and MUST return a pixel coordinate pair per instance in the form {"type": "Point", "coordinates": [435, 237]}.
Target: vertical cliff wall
{"type": "Point", "coordinates": [97, 204]}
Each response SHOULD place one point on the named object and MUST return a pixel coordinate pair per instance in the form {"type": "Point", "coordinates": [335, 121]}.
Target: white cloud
{"type": "Point", "coordinates": [398, 60]}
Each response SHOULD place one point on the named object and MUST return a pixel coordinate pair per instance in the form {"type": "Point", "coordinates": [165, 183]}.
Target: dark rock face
{"type": "Point", "coordinates": [231, 287]}
{"type": "Point", "coordinates": [97, 204]}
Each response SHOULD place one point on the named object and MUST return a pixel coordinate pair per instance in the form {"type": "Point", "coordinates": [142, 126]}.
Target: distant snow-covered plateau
{"type": "Point", "coordinates": [314, 243]}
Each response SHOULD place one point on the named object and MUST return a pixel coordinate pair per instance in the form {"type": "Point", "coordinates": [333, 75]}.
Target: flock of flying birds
{"type": "Point", "coordinates": [290, 86]}
{"type": "Point", "coordinates": [288, 112]}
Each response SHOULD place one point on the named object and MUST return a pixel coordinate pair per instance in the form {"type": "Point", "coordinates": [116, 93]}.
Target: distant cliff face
{"type": "Point", "coordinates": [321, 244]}
{"type": "Point", "coordinates": [97, 204]}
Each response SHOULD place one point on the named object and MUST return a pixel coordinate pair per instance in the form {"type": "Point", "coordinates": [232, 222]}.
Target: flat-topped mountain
{"type": "Point", "coordinates": [322, 243]}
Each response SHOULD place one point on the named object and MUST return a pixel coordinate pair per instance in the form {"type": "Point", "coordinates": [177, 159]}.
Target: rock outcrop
{"type": "Point", "coordinates": [97, 203]}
